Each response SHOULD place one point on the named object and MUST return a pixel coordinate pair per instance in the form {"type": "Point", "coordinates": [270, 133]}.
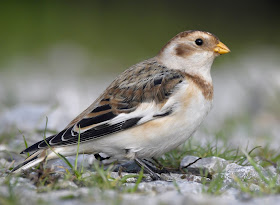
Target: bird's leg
{"type": "Point", "coordinates": [147, 168]}
{"type": "Point", "coordinates": [157, 162]}
{"type": "Point", "coordinates": [155, 167]}
{"type": "Point", "coordinates": [120, 171]}
{"type": "Point", "coordinates": [160, 166]}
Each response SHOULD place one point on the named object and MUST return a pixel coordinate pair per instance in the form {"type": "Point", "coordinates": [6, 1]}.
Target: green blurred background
{"type": "Point", "coordinates": [118, 34]}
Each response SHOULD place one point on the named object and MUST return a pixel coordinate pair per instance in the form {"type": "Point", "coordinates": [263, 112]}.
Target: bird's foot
{"type": "Point", "coordinates": [149, 167]}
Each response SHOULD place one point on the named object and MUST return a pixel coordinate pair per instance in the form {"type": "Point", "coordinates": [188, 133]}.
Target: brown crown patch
{"type": "Point", "coordinates": [179, 35]}
{"type": "Point", "coordinates": [184, 34]}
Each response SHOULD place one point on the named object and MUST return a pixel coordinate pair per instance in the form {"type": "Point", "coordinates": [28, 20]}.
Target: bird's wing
{"type": "Point", "coordinates": [138, 95]}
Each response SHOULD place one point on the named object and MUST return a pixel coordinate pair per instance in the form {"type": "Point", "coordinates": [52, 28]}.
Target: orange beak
{"type": "Point", "coordinates": [221, 48]}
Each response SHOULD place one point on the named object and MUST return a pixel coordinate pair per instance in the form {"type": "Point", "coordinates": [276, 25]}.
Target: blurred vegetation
{"type": "Point", "coordinates": [121, 33]}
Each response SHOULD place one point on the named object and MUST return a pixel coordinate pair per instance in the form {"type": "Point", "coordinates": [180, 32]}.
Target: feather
{"type": "Point", "coordinates": [135, 97]}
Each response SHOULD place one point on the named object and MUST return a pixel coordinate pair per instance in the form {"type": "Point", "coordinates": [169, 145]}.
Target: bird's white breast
{"type": "Point", "coordinates": [158, 136]}
{"type": "Point", "coordinates": [167, 133]}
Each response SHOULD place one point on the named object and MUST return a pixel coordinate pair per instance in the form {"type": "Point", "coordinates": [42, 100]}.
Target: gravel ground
{"type": "Point", "coordinates": [246, 110]}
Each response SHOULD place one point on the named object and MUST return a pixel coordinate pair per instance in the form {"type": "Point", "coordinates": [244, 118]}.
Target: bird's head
{"type": "Point", "coordinates": [192, 51]}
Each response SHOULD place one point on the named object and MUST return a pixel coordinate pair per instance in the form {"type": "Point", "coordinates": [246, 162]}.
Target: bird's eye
{"type": "Point", "coordinates": [199, 42]}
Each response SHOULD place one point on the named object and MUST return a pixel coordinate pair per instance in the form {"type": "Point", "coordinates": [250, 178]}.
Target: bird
{"type": "Point", "coordinates": [149, 109]}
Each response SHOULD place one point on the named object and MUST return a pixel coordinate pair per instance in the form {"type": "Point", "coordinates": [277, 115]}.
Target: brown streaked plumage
{"type": "Point", "coordinates": [137, 85]}
{"type": "Point", "coordinates": [148, 81]}
{"type": "Point", "coordinates": [149, 109]}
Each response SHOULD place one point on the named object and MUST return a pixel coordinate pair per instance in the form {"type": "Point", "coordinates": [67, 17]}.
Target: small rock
{"type": "Point", "coordinates": [162, 187]}
{"type": "Point", "coordinates": [130, 167]}
{"type": "Point", "coordinates": [90, 159]}
{"type": "Point", "coordinates": [146, 177]}
{"type": "Point", "coordinates": [156, 186]}
{"type": "Point", "coordinates": [86, 174]}
{"type": "Point", "coordinates": [22, 183]}
{"type": "Point", "coordinates": [209, 165]}
{"type": "Point", "coordinates": [242, 172]}
{"type": "Point", "coordinates": [254, 188]}
{"type": "Point", "coordinates": [63, 184]}
{"type": "Point", "coordinates": [187, 160]}
{"type": "Point", "coordinates": [273, 172]}
{"type": "Point", "coordinates": [60, 165]}
{"type": "Point", "coordinates": [244, 197]}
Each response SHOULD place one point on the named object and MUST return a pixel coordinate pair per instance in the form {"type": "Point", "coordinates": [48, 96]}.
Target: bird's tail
{"type": "Point", "coordinates": [30, 161]}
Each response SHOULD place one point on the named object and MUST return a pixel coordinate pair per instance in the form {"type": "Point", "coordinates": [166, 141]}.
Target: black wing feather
{"type": "Point", "coordinates": [94, 133]}
{"type": "Point", "coordinates": [95, 120]}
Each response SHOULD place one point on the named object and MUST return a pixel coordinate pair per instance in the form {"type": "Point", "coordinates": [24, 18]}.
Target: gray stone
{"type": "Point", "coordinates": [60, 165]}
{"type": "Point", "coordinates": [274, 173]}
{"type": "Point", "coordinates": [211, 165]}
{"type": "Point", "coordinates": [187, 160]}
{"type": "Point", "coordinates": [183, 187]}
{"type": "Point", "coordinates": [66, 184]}
{"type": "Point", "coordinates": [20, 183]}
{"type": "Point", "coordinates": [129, 166]}
{"type": "Point", "coordinates": [242, 172]}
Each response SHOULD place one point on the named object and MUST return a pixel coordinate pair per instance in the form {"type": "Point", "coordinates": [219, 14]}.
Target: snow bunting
{"type": "Point", "coordinates": [149, 109]}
